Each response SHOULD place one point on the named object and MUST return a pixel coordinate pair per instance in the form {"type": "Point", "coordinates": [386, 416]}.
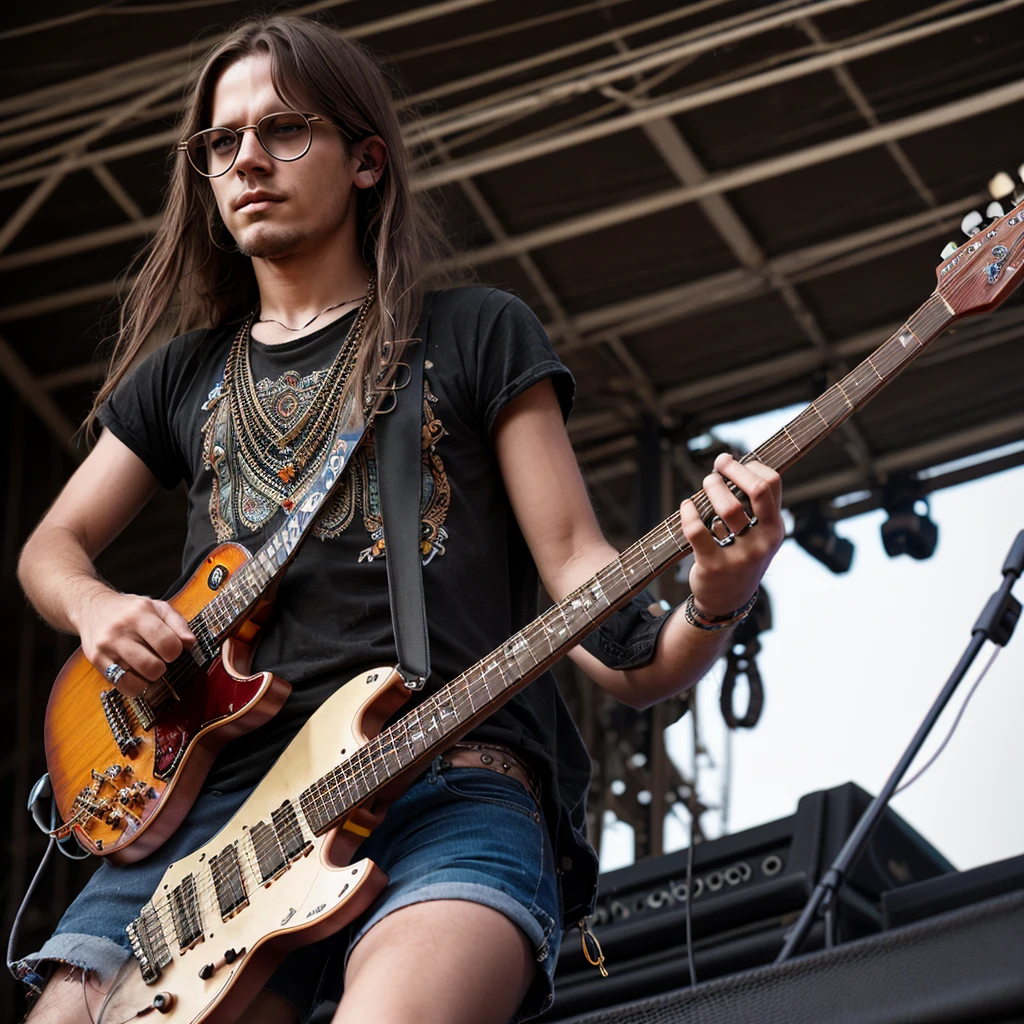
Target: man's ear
{"type": "Point", "coordinates": [372, 155]}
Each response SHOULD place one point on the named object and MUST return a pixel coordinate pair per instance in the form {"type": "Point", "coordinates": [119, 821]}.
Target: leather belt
{"type": "Point", "coordinates": [493, 756]}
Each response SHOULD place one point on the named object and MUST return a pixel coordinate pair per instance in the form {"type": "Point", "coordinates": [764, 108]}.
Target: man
{"type": "Point", "coordinates": [293, 252]}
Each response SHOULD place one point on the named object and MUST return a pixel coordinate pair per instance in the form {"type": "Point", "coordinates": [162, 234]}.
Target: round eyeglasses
{"type": "Point", "coordinates": [285, 136]}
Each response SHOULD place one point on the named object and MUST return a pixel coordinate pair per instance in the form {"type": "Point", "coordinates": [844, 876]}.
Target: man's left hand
{"type": "Point", "coordinates": [724, 578]}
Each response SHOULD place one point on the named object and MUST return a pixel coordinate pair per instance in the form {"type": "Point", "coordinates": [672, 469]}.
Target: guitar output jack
{"type": "Point", "coordinates": [163, 1002]}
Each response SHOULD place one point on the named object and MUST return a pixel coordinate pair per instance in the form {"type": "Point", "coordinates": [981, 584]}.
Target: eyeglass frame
{"type": "Point", "coordinates": [310, 119]}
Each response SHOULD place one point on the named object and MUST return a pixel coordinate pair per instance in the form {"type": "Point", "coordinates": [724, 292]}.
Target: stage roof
{"type": "Point", "coordinates": [717, 208]}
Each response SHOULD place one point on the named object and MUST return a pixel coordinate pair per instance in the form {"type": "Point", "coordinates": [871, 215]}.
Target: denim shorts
{"type": "Point", "coordinates": [457, 833]}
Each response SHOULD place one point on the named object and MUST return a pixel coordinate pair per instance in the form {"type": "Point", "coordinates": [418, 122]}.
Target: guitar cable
{"type": "Point", "coordinates": [952, 729]}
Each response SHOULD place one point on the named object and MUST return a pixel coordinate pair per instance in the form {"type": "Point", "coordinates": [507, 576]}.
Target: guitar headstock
{"type": "Point", "coordinates": [979, 275]}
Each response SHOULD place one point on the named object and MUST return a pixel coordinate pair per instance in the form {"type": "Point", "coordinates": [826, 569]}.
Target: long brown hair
{"type": "Point", "coordinates": [191, 276]}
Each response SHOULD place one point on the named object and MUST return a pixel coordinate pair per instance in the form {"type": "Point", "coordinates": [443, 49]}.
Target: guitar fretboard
{"type": "Point", "coordinates": [455, 708]}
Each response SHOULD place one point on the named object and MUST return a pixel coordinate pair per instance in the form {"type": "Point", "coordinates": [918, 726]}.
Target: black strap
{"type": "Point", "coordinates": [400, 480]}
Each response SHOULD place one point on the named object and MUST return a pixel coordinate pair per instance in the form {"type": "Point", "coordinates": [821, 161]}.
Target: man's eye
{"type": "Point", "coordinates": [222, 144]}
{"type": "Point", "coordinates": [283, 131]}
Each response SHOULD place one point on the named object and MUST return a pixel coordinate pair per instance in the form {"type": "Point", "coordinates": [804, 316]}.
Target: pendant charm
{"type": "Point", "coordinates": [287, 473]}
{"type": "Point", "coordinates": [287, 504]}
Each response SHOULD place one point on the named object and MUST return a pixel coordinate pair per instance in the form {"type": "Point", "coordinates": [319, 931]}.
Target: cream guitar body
{"type": "Point", "coordinates": [221, 926]}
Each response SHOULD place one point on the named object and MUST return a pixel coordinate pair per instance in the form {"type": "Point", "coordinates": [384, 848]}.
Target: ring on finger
{"type": "Point", "coordinates": [114, 673]}
{"type": "Point", "coordinates": [722, 541]}
{"type": "Point", "coordinates": [751, 523]}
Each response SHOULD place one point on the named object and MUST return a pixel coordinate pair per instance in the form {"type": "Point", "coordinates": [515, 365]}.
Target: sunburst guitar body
{"type": "Point", "coordinates": [125, 770]}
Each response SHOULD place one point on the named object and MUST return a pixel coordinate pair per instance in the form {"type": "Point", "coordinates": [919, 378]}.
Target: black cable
{"type": "Point", "coordinates": [952, 729]}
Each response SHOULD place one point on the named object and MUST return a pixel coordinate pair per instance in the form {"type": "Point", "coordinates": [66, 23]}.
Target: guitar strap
{"type": "Point", "coordinates": [400, 481]}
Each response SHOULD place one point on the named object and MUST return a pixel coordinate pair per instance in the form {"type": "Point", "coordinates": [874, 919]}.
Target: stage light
{"type": "Point", "coordinates": [909, 530]}
{"type": "Point", "coordinates": [817, 536]}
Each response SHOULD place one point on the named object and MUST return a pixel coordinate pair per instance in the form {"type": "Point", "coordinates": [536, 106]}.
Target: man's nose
{"type": "Point", "coordinates": [252, 157]}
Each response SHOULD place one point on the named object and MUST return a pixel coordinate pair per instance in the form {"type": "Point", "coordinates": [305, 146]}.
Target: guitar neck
{"type": "Point", "coordinates": [469, 698]}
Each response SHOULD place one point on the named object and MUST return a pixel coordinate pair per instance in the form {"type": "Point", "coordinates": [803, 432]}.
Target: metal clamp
{"type": "Point", "coordinates": [412, 682]}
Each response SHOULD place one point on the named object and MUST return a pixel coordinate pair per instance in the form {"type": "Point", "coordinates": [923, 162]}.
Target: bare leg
{"type": "Point", "coordinates": [64, 999]}
{"type": "Point", "coordinates": [63, 1002]}
{"type": "Point", "coordinates": [440, 962]}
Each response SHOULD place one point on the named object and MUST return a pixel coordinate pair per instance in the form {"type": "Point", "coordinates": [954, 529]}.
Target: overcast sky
{"type": "Point", "coordinates": [851, 667]}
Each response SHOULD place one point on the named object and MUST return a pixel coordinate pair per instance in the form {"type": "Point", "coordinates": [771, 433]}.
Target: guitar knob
{"type": "Point", "coordinates": [950, 248]}
{"type": "Point", "coordinates": [206, 972]}
{"type": "Point", "coordinates": [163, 1002]}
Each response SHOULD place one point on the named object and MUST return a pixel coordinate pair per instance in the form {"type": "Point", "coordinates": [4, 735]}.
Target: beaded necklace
{"type": "Point", "coordinates": [272, 462]}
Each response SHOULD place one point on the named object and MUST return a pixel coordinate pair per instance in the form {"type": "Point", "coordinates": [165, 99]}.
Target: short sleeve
{"type": "Point", "coordinates": [513, 354]}
{"type": "Point", "coordinates": [138, 414]}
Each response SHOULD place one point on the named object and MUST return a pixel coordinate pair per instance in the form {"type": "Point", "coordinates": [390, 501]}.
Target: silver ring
{"type": "Point", "coordinates": [722, 542]}
{"type": "Point", "coordinates": [114, 673]}
{"type": "Point", "coordinates": [751, 523]}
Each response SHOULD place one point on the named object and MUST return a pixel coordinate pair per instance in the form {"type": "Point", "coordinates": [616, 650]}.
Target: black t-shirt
{"type": "Point", "coordinates": [332, 616]}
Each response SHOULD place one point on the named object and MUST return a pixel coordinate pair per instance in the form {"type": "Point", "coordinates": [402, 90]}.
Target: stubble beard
{"type": "Point", "coordinates": [268, 242]}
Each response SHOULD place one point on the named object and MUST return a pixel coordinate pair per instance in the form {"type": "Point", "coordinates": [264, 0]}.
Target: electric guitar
{"type": "Point", "coordinates": [279, 874]}
{"type": "Point", "coordinates": [125, 770]}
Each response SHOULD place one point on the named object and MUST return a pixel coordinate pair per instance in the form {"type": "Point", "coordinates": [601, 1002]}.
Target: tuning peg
{"type": "Point", "coordinates": [994, 210]}
{"type": "Point", "coordinates": [950, 248]}
{"type": "Point", "coordinates": [971, 224]}
{"type": "Point", "coordinates": [1001, 185]}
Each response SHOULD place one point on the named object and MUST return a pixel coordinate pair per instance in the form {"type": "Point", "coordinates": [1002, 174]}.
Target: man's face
{"type": "Point", "coordinates": [275, 209]}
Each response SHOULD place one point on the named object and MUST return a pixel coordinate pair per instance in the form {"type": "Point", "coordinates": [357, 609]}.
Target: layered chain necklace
{"type": "Point", "coordinates": [271, 460]}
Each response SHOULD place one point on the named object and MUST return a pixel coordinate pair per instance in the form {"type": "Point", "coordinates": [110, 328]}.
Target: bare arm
{"type": "Point", "coordinates": [57, 573]}
{"type": "Point", "coordinates": [554, 512]}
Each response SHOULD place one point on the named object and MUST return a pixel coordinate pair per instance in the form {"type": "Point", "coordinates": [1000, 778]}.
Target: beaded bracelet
{"type": "Point", "coordinates": [718, 622]}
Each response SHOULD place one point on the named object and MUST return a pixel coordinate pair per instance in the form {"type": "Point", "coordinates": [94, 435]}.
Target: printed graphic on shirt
{"type": "Point", "coordinates": [362, 494]}
{"type": "Point", "coordinates": [238, 498]}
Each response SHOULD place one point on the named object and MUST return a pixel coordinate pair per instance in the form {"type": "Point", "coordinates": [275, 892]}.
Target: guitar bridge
{"type": "Point", "coordinates": [113, 703]}
{"type": "Point", "coordinates": [149, 946]}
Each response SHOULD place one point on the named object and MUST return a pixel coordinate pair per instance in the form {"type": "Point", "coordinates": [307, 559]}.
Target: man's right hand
{"type": "Point", "coordinates": [140, 634]}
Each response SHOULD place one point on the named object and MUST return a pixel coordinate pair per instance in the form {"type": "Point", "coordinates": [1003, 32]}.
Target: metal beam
{"type": "Point", "coordinates": [56, 174]}
{"type": "Point", "coordinates": [86, 373]}
{"type": "Point", "coordinates": [117, 192]}
{"type": "Point", "coordinates": [514, 153]}
{"type": "Point", "coordinates": [571, 82]}
{"type": "Point", "coordinates": [79, 243]}
{"type": "Point", "coordinates": [684, 163]}
{"type": "Point", "coordinates": [730, 286]}
{"type": "Point", "coordinates": [21, 378]}
{"type": "Point", "coordinates": [857, 97]}
{"type": "Point", "coordinates": [51, 129]}
{"type": "Point", "coordinates": [971, 337]}
{"type": "Point", "coordinates": [756, 376]}
{"type": "Point", "coordinates": [688, 102]}
{"type": "Point", "coordinates": [85, 85]}
{"type": "Point", "coordinates": [59, 300]}
{"type": "Point", "coordinates": [915, 457]}
{"type": "Point", "coordinates": [762, 170]}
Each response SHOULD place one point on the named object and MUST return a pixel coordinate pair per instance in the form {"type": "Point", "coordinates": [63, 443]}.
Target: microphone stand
{"type": "Point", "coordinates": [996, 623]}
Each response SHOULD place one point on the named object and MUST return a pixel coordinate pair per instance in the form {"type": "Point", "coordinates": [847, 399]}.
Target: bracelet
{"type": "Point", "coordinates": [718, 622]}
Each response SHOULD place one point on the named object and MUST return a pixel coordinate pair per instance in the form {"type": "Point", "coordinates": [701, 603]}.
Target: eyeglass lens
{"type": "Point", "coordinates": [284, 136]}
